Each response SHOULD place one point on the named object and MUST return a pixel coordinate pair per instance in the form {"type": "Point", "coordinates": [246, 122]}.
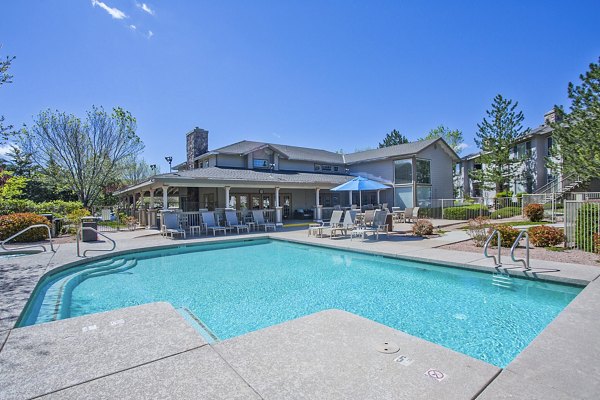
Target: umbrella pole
{"type": "Point", "coordinates": [360, 199]}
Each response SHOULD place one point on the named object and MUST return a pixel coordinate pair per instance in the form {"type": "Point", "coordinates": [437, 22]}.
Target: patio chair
{"type": "Point", "coordinates": [369, 216]}
{"type": "Point", "coordinates": [378, 226]}
{"type": "Point", "coordinates": [233, 223]}
{"type": "Point", "coordinates": [259, 219]}
{"type": "Point", "coordinates": [171, 226]}
{"type": "Point", "coordinates": [384, 207]}
{"type": "Point", "coordinates": [408, 213]}
{"type": "Point", "coordinates": [347, 225]}
{"type": "Point", "coordinates": [209, 222]}
{"type": "Point", "coordinates": [335, 220]}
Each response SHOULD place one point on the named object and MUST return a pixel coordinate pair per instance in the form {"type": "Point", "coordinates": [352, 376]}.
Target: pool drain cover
{"type": "Point", "coordinates": [387, 347]}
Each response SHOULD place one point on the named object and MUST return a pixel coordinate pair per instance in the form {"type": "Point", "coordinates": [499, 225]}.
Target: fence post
{"type": "Point", "coordinates": [442, 217]}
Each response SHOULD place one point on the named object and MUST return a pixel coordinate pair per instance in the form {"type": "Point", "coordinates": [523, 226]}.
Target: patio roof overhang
{"type": "Point", "coordinates": [233, 178]}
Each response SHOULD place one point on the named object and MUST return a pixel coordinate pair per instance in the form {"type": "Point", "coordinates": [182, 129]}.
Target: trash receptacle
{"type": "Point", "coordinates": [86, 234]}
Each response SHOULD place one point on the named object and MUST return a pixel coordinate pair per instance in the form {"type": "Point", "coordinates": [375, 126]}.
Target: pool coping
{"type": "Point", "coordinates": [536, 350]}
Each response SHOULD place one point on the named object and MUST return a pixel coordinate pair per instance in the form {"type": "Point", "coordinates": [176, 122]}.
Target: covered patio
{"type": "Point", "coordinates": [282, 196]}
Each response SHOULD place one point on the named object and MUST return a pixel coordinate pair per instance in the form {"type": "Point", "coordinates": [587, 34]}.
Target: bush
{"type": "Point", "coordinates": [466, 212]}
{"type": "Point", "coordinates": [59, 208]}
{"type": "Point", "coordinates": [586, 226]}
{"type": "Point", "coordinates": [506, 193]}
{"type": "Point", "coordinates": [508, 235]}
{"type": "Point", "coordinates": [13, 223]}
{"type": "Point", "coordinates": [506, 212]}
{"type": "Point", "coordinates": [76, 215]}
{"type": "Point", "coordinates": [544, 236]}
{"type": "Point", "coordinates": [535, 212]}
{"type": "Point", "coordinates": [596, 240]}
{"type": "Point", "coordinates": [422, 227]}
{"type": "Point", "coordinates": [477, 230]}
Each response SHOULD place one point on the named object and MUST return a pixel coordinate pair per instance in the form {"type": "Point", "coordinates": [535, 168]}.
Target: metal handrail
{"type": "Point", "coordinates": [498, 261]}
{"type": "Point", "coordinates": [89, 228]}
{"type": "Point", "coordinates": [2, 243]}
{"type": "Point", "coordinates": [525, 260]}
{"type": "Point", "coordinates": [557, 184]}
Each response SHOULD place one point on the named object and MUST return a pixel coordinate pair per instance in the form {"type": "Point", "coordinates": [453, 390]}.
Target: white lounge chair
{"type": "Point", "coordinates": [259, 219]}
{"type": "Point", "coordinates": [209, 222]}
{"type": "Point", "coordinates": [336, 218]}
{"type": "Point", "coordinates": [347, 225]}
{"type": "Point", "coordinates": [411, 214]}
{"type": "Point", "coordinates": [378, 226]}
{"type": "Point", "coordinates": [171, 226]}
{"type": "Point", "coordinates": [232, 221]}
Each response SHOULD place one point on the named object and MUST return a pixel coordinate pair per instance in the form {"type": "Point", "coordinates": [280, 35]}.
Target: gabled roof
{"type": "Point", "coordinates": [400, 150]}
{"type": "Point", "coordinates": [289, 152]}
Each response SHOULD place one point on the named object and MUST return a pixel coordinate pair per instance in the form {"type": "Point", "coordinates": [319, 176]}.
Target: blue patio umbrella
{"type": "Point", "coordinates": [359, 184]}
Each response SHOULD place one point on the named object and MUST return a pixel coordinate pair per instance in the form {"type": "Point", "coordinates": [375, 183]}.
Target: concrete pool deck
{"type": "Point", "coordinates": [326, 355]}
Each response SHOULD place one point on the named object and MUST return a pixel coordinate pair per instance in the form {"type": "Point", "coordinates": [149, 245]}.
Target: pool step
{"type": "Point", "coordinates": [502, 280]}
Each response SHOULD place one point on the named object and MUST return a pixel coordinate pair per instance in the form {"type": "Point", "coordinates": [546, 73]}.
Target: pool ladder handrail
{"type": "Point", "coordinates": [497, 261]}
{"type": "Point", "coordinates": [2, 243]}
{"type": "Point", "coordinates": [525, 260]}
{"type": "Point", "coordinates": [89, 228]}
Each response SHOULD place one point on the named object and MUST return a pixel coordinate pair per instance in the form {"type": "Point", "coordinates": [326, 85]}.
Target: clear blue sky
{"type": "Point", "coordinates": [328, 74]}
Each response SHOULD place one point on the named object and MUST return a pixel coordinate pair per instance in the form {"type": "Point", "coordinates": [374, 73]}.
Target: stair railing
{"type": "Point", "coordinates": [497, 261]}
{"type": "Point", "coordinates": [525, 260]}
{"type": "Point", "coordinates": [2, 243]}
{"type": "Point", "coordinates": [89, 228]}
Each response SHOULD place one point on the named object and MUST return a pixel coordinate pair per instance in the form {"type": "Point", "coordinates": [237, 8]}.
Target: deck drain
{"type": "Point", "coordinates": [387, 347]}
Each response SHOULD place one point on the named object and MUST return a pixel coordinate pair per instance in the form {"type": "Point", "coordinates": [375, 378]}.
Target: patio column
{"type": "Point", "coordinates": [278, 209]}
{"type": "Point", "coordinates": [318, 207]}
{"type": "Point", "coordinates": [142, 211]}
{"type": "Point", "coordinates": [151, 199]}
{"type": "Point", "coordinates": [227, 196]}
{"type": "Point", "coordinates": [165, 197]}
{"type": "Point", "coordinates": [378, 201]}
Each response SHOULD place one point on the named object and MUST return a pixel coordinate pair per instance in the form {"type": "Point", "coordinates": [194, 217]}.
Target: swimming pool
{"type": "Point", "coordinates": [238, 287]}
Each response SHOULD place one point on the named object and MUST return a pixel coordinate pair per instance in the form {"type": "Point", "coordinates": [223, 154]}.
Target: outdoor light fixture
{"type": "Point", "coordinates": [169, 160]}
{"type": "Point", "coordinates": [153, 168]}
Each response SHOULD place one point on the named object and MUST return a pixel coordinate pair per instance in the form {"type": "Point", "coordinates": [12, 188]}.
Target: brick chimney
{"type": "Point", "coordinates": [550, 117]}
{"type": "Point", "coordinates": [196, 144]}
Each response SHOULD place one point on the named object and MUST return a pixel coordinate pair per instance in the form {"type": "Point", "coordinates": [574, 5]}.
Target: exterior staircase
{"type": "Point", "coordinates": [559, 187]}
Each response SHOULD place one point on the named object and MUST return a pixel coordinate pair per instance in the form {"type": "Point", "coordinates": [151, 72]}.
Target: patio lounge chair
{"type": "Point", "coordinates": [347, 225]}
{"type": "Point", "coordinates": [369, 216]}
{"type": "Point", "coordinates": [411, 214]}
{"type": "Point", "coordinates": [378, 226]}
{"type": "Point", "coordinates": [336, 219]}
{"type": "Point", "coordinates": [232, 222]}
{"type": "Point", "coordinates": [171, 226]}
{"type": "Point", "coordinates": [259, 219]}
{"type": "Point", "coordinates": [209, 221]}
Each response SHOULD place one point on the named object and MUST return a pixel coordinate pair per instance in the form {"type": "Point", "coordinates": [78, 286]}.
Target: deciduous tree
{"type": "Point", "coordinates": [89, 152]}
{"type": "Point", "coordinates": [454, 138]}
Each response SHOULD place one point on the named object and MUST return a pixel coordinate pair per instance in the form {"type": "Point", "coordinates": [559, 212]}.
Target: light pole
{"type": "Point", "coordinates": [169, 160]}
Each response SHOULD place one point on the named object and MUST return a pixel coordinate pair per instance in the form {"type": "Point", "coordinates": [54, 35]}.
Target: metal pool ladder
{"type": "Point", "coordinates": [525, 260]}
{"type": "Point", "coordinates": [497, 261]}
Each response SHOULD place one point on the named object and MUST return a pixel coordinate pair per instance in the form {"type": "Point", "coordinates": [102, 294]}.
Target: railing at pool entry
{"type": "Point", "coordinates": [525, 260]}
{"type": "Point", "coordinates": [89, 228]}
{"type": "Point", "coordinates": [498, 235]}
{"type": "Point", "coordinates": [2, 243]}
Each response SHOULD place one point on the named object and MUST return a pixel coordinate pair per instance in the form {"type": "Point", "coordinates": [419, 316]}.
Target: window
{"type": "Point", "coordinates": [403, 171]}
{"type": "Point", "coordinates": [424, 171]}
{"type": "Point", "coordinates": [260, 163]}
{"type": "Point", "coordinates": [550, 145]}
{"type": "Point", "coordinates": [206, 164]}
{"type": "Point", "coordinates": [424, 196]}
{"type": "Point", "coordinates": [336, 168]}
{"type": "Point", "coordinates": [317, 167]}
{"type": "Point", "coordinates": [403, 197]}
{"type": "Point", "coordinates": [326, 168]}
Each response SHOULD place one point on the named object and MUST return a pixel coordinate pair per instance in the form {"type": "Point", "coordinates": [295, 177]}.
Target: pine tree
{"type": "Point", "coordinates": [393, 138]}
{"type": "Point", "coordinates": [454, 138]}
{"type": "Point", "coordinates": [576, 134]}
{"type": "Point", "coordinates": [495, 137]}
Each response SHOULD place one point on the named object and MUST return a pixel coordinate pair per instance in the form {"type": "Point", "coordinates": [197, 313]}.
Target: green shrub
{"type": "Point", "coordinates": [508, 235]}
{"type": "Point", "coordinates": [586, 226]}
{"type": "Point", "coordinates": [506, 212]}
{"type": "Point", "coordinates": [466, 212]}
{"type": "Point", "coordinates": [422, 227]}
{"type": "Point", "coordinates": [544, 236]}
{"type": "Point", "coordinates": [535, 212]}
{"type": "Point", "coordinates": [59, 208]}
{"type": "Point", "coordinates": [596, 241]}
{"type": "Point", "coordinates": [13, 223]}
{"type": "Point", "coordinates": [506, 193]}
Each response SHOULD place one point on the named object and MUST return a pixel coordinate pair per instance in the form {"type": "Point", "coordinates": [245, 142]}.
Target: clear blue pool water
{"type": "Point", "coordinates": [240, 287]}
